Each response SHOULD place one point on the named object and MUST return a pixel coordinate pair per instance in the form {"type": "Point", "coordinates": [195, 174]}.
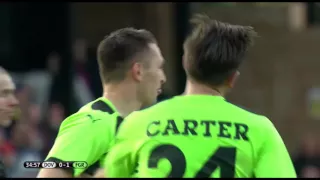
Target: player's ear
{"type": "Point", "coordinates": [137, 71]}
{"type": "Point", "coordinates": [232, 79]}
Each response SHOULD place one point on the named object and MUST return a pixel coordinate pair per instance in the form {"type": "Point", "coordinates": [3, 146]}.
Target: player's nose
{"type": "Point", "coordinates": [13, 102]}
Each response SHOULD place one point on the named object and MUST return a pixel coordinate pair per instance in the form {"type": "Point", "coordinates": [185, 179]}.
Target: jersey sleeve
{"type": "Point", "coordinates": [121, 160]}
{"type": "Point", "coordinates": [82, 137]}
{"type": "Point", "coordinates": [274, 160]}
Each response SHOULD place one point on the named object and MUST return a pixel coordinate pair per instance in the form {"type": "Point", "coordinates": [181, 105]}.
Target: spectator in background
{"type": "Point", "coordinates": [7, 151]}
{"type": "Point", "coordinates": [34, 123]}
{"type": "Point", "coordinates": [81, 81]}
{"type": "Point", "coordinates": [8, 106]}
{"type": "Point", "coordinates": [38, 81]}
{"type": "Point", "coordinates": [82, 76]}
{"type": "Point", "coordinates": [30, 113]}
{"type": "Point", "coordinates": [24, 97]}
{"type": "Point", "coordinates": [56, 89]}
{"type": "Point", "coordinates": [80, 57]}
{"type": "Point", "coordinates": [51, 126]}
{"type": "Point", "coordinates": [307, 162]}
{"type": "Point", "coordinates": [22, 139]}
{"type": "Point", "coordinates": [92, 67]}
{"type": "Point", "coordinates": [53, 63]}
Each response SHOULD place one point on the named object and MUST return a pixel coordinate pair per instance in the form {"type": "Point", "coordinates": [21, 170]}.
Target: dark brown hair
{"type": "Point", "coordinates": [214, 50]}
{"type": "Point", "coordinates": [116, 52]}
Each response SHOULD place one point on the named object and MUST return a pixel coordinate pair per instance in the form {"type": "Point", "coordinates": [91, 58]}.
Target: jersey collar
{"type": "Point", "coordinates": [109, 103]}
{"type": "Point", "coordinates": [204, 96]}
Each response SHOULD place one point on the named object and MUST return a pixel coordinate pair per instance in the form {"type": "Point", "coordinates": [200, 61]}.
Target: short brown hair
{"type": "Point", "coordinates": [214, 50]}
{"type": "Point", "coordinates": [117, 50]}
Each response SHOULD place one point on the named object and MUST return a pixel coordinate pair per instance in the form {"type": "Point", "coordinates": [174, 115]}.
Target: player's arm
{"type": "Point", "coordinates": [81, 138]}
{"type": "Point", "coordinates": [121, 160]}
{"type": "Point", "coordinates": [274, 160]}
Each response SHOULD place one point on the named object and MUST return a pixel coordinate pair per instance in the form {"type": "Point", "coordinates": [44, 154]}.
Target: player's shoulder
{"type": "Point", "coordinates": [91, 112]}
{"type": "Point", "coordinates": [101, 105]}
{"type": "Point", "coordinates": [250, 116]}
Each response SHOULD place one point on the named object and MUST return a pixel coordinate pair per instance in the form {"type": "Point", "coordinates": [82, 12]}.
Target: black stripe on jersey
{"type": "Point", "coordinates": [56, 160]}
{"type": "Point", "coordinates": [119, 121]}
{"type": "Point", "coordinates": [102, 106]}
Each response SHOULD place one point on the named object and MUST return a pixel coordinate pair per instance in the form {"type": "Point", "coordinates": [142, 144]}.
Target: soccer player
{"type": "Point", "coordinates": [8, 105]}
{"type": "Point", "coordinates": [200, 134]}
{"type": "Point", "coordinates": [130, 64]}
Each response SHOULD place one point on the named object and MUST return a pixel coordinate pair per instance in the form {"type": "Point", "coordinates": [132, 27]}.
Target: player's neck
{"type": "Point", "coordinates": [125, 101]}
{"type": "Point", "coordinates": [193, 88]}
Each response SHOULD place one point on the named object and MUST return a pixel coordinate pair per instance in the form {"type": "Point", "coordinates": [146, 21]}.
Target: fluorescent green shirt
{"type": "Point", "coordinates": [86, 135]}
{"type": "Point", "coordinates": [198, 136]}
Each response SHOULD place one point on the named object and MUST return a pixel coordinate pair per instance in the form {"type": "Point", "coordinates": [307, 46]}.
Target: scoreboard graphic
{"type": "Point", "coordinates": [51, 164]}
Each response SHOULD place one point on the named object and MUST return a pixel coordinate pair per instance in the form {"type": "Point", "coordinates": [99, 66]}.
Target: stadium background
{"type": "Point", "coordinates": [49, 48]}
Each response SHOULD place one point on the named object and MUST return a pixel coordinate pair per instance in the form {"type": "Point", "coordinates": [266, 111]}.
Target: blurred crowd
{"type": "Point", "coordinates": [307, 158]}
{"type": "Point", "coordinates": [36, 125]}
